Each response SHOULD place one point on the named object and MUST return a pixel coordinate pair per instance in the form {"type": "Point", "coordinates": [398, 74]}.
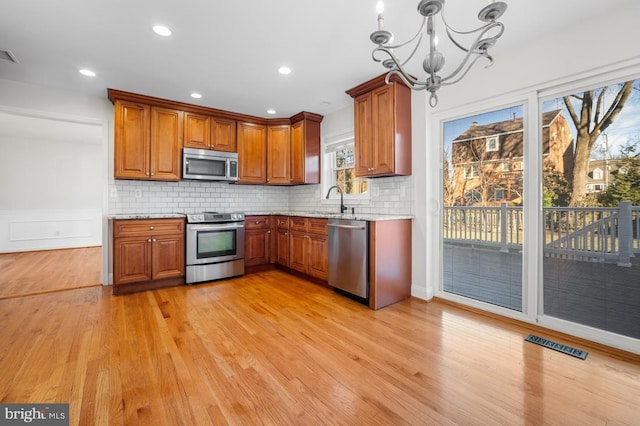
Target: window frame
{"type": "Point", "coordinates": [474, 168]}
{"type": "Point", "coordinates": [489, 141]}
{"type": "Point", "coordinates": [330, 145]}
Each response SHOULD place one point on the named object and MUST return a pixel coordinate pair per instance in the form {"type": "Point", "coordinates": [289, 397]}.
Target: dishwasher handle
{"type": "Point", "coordinates": [361, 227]}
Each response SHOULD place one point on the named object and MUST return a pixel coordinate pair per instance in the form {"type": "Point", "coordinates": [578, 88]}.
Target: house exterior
{"type": "Point", "coordinates": [487, 160]}
{"type": "Point", "coordinates": [602, 173]}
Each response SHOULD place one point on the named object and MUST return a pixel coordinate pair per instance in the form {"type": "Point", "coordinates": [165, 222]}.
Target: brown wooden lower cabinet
{"type": "Point", "coordinates": [309, 246]}
{"type": "Point", "coordinates": [282, 240]}
{"type": "Point", "coordinates": [300, 244]}
{"type": "Point", "coordinates": [257, 240]}
{"type": "Point", "coordinates": [147, 253]}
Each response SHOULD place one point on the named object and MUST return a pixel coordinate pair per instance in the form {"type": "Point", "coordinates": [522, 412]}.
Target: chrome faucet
{"type": "Point", "coordinates": [343, 208]}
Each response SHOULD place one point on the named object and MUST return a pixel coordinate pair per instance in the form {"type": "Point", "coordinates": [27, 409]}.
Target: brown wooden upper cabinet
{"type": "Point", "coordinates": [382, 127]}
{"type": "Point", "coordinates": [252, 153]}
{"type": "Point", "coordinates": [150, 133]}
{"type": "Point", "coordinates": [279, 154]}
{"type": "Point", "coordinates": [208, 132]}
{"type": "Point", "coordinates": [305, 148]}
{"type": "Point", "coordinates": [147, 141]}
{"type": "Point", "coordinates": [293, 151]}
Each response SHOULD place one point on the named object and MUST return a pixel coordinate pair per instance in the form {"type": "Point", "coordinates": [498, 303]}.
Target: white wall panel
{"type": "Point", "coordinates": [27, 230]}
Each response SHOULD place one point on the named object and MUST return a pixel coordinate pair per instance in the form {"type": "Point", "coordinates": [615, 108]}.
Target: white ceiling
{"type": "Point", "coordinates": [230, 50]}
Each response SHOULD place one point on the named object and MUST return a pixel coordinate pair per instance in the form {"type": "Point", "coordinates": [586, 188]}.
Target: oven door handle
{"type": "Point", "coordinates": [217, 227]}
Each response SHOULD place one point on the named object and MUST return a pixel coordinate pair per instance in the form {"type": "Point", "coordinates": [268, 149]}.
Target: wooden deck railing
{"type": "Point", "coordinates": [595, 234]}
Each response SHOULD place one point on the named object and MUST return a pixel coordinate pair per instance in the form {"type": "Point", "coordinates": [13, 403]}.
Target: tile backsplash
{"type": "Point", "coordinates": [388, 196]}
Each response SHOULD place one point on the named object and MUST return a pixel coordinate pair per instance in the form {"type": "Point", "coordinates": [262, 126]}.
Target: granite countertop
{"type": "Point", "coordinates": [357, 216]}
{"type": "Point", "coordinates": [146, 216]}
{"type": "Point", "coordinates": [375, 217]}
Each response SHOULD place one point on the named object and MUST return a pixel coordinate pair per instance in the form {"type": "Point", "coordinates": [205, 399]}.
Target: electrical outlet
{"type": "Point", "coordinates": [113, 192]}
{"type": "Point", "coordinates": [138, 193]}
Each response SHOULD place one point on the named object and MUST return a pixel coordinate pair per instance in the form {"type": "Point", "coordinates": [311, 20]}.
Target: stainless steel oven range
{"type": "Point", "coordinates": [215, 246]}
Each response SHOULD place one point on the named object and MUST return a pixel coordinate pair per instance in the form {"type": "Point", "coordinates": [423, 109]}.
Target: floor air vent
{"type": "Point", "coordinates": [557, 346]}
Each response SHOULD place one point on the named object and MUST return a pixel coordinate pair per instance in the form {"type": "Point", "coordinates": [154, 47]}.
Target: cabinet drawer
{"type": "Point", "coordinates": [298, 223]}
{"type": "Point", "coordinates": [257, 222]}
{"type": "Point", "coordinates": [282, 222]}
{"type": "Point", "coordinates": [318, 225]}
{"type": "Point", "coordinates": [136, 227]}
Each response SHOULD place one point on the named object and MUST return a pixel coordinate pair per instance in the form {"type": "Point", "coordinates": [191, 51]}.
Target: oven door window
{"type": "Point", "coordinates": [209, 167]}
{"type": "Point", "coordinates": [213, 244]}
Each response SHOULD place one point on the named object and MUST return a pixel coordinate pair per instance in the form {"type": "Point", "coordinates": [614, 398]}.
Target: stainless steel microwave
{"type": "Point", "coordinates": [203, 164]}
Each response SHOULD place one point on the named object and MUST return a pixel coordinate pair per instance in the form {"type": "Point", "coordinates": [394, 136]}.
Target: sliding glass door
{"type": "Point", "coordinates": [483, 199]}
{"type": "Point", "coordinates": [591, 196]}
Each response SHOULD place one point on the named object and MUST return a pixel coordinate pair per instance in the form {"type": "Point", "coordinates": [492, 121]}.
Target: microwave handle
{"type": "Point", "coordinates": [228, 167]}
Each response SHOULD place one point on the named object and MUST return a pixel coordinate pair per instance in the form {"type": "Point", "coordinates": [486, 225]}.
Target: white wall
{"type": "Point", "coordinates": [52, 167]}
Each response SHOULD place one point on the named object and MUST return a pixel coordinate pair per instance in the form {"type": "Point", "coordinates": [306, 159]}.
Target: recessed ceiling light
{"type": "Point", "coordinates": [196, 95]}
{"type": "Point", "coordinates": [87, 72]}
{"type": "Point", "coordinates": [271, 111]}
{"type": "Point", "coordinates": [162, 30]}
{"type": "Point", "coordinates": [284, 70]}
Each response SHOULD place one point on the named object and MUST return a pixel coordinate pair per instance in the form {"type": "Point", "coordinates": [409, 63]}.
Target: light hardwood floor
{"type": "Point", "coordinates": [269, 348]}
{"type": "Point", "coordinates": [36, 272]}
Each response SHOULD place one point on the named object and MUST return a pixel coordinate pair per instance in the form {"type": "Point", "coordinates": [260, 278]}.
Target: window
{"type": "Point", "coordinates": [597, 174]}
{"type": "Point", "coordinates": [492, 144]}
{"type": "Point", "coordinates": [499, 194]}
{"type": "Point", "coordinates": [505, 166]}
{"type": "Point", "coordinates": [471, 171]}
{"type": "Point", "coordinates": [339, 168]}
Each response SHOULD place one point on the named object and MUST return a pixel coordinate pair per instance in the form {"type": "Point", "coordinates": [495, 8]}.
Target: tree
{"type": "Point", "coordinates": [556, 189]}
{"type": "Point", "coordinates": [626, 183]}
{"type": "Point", "coordinates": [590, 123]}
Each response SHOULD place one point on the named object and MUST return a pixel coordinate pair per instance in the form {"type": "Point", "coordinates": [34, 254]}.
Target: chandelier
{"type": "Point", "coordinates": [487, 36]}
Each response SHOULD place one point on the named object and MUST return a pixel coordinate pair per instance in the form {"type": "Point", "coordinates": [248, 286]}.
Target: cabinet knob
{"type": "Point", "coordinates": [257, 222]}
{"type": "Point", "coordinates": [149, 240]}
{"type": "Point", "coordinates": [151, 227]}
{"type": "Point", "coordinates": [153, 240]}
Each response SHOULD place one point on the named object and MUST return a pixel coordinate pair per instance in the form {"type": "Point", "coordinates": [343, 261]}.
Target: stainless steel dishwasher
{"type": "Point", "coordinates": [349, 256]}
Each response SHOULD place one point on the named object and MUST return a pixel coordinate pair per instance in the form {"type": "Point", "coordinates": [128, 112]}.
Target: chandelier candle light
{"type": "Point", "coordinates": [434, 60]}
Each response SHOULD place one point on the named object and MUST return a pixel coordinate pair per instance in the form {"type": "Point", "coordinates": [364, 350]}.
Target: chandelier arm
{"type": "Point", "coordinates": [480, 28]}
{"type": "Point", "coordinates": [445, 81]}
{"type": "Point", "coordinates": [409, 81]}
{"type": "Point", "coordinates": [472, 51]}
{"type": "Point", "coordinates": [485, 29]}
{"type": "Point", "coordinates": [420, 30]}
{"type": "Point", "coordinates": [398, 70]}
{"type": "Point", "coordinates": [415, 49]}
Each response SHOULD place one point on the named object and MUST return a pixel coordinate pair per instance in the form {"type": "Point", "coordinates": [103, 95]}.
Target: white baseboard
{"type": "Point", "coordinates": [422, 292]}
